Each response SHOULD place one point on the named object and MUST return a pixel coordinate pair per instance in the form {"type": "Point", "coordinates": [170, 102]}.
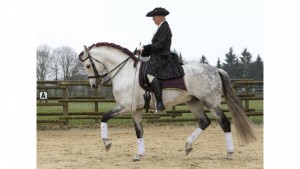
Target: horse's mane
{"type": "Point", "coordinates": [124, 50]}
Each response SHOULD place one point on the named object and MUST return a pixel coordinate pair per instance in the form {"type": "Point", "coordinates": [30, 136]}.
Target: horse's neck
{"type": "Point", "coordinates": [112, 58]}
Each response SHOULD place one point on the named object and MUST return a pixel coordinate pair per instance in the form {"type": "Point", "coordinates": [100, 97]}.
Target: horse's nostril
{"type": "Point", "coordinates": [94, 86]}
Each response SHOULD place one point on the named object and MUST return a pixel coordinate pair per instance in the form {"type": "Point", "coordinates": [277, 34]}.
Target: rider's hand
{"type": "Point", "coordinates": [136, 52]}
{"type": "Point", "coordinates": [140, 48]}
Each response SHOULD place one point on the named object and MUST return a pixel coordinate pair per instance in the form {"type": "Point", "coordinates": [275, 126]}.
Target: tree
{"type": "Point", "coordinates": [68, 62]}
{"type": "Point", "coordinates": [245, 64]}
{"type": "Point", "coordinates": [180, 59]}
{"type": "Point", "coordinates": [54, 65]}
{"type": "Point", "coordinates": [43, 54]}
{"type": "Point", "coordinates": [231, 64]}
{"type": "Point", "coordinates": [257, 69]}
{"type": "Point", "coordinates": [204, 60]}
{"type": "Point", "coordinates": [219, 64]}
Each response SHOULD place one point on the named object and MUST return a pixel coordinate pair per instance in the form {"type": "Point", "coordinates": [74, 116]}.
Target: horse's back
{"type": "Point", "coordinates": [204, 82]}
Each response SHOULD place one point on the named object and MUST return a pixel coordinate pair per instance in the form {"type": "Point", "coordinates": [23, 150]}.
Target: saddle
{"type": "Point", "coordinates": [175, 83]}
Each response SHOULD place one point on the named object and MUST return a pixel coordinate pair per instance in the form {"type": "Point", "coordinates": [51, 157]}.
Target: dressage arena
{"type": "Point", "coordinates": [83, 148]}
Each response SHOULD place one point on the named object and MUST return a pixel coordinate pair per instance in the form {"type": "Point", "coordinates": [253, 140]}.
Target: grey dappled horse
{"type": "Point", "coordinates": [205, 85]}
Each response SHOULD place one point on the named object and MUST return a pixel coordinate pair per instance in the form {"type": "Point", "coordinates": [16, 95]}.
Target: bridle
{"type": "Point", "coordinates": [97, 76]}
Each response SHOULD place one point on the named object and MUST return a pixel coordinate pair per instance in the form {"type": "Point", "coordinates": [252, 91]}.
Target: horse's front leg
{"type": "Point", "coordinates": [137, 120]}
{"type": "Point", "coordinates": [118, 111]}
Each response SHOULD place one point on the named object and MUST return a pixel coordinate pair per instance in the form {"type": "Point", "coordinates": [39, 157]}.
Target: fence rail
{"type": "Point", "coordinates": [63, 97]}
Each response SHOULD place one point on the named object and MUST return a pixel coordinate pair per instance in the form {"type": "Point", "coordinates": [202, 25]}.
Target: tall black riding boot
{"type": "Point", "coordinates": [155, 85]}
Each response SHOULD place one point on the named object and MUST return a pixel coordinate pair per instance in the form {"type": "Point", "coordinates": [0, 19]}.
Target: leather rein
{"type": "Point", "coordinates": [97, 76]}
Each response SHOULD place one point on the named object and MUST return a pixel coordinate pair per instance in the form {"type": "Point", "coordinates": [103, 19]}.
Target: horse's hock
{"type": "Point", "coordinates": [63, 93]}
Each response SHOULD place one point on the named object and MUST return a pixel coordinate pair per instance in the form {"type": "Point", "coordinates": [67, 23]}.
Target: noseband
{"type": "Point", "coordinates": [97, 76]}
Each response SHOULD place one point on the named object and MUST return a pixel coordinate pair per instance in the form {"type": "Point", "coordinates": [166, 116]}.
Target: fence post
{"type": "Point", "coordinates": [96, 107]}
{"type": "Point", "coordinates": [247, 101]}
{"type": "Point", "coordinates": [39, 91]}
{"type": "Point", "coordinates": [65, 106]}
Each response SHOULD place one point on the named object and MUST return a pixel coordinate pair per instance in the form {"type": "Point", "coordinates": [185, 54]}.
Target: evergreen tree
{"type": "Point", "coordinates": [231, 64]}
{"type": "Point", "coordinates": [174, 51]}
{"type": "Point", "coordinates": [257, 69]}
{"type": "Point", "coordinates": [245, 64]}
{"type": "Point", "coordinates": [219, 64]}
{"type": "Point", "coordinates": [180, 58]}
{"type": "Point", "coordinates": [204, 60]}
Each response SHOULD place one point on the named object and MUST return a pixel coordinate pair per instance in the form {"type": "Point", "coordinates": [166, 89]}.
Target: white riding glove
{"type": "Point", "coordinates": [140, 48]}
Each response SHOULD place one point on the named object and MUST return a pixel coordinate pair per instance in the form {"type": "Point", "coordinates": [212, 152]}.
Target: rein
{"type": "Point", "coordinates": [97, 75]}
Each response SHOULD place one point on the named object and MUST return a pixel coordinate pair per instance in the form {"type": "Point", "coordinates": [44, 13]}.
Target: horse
{"type": "Point", "coordinates": [205, 86]}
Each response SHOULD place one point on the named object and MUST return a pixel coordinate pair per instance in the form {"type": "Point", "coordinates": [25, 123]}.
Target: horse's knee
{"type": "Point", "coordinates": [204, 123]}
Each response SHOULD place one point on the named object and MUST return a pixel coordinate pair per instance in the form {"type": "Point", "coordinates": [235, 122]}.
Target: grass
{"type": "Point", "coordinates": [104, 107]}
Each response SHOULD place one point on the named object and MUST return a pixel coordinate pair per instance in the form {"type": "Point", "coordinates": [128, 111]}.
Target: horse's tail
{"type": "Point", "coordinates": [244, 126]}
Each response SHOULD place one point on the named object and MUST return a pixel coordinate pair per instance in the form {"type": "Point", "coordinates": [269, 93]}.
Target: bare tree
{"type": "Point", "coordinates": [55, 66]}
{"type": "Point", "coordinates": [68, 62]}
{"type": "Point", "coordinates": [43, 54]}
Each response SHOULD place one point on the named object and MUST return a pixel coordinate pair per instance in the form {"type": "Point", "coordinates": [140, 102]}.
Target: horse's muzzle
{"type": "Point", "coordinates": [94, 86]}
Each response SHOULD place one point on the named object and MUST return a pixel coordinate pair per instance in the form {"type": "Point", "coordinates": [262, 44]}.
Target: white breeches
{"type": "Point", "coordinates": [150, 78]}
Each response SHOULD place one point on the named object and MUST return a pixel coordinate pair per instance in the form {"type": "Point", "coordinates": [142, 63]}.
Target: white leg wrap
{"type": "Point", "coordinates": [104, 130]}
{"type": "Point", "coordinates": [141, 146]}
{"type": "Point", "coordinates": [194, 135]}
{"type": "Point", "coordinates": [229, 142]}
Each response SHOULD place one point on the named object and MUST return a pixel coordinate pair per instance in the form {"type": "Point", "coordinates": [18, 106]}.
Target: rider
{"type": "Point", "coordinates": [160, 66]}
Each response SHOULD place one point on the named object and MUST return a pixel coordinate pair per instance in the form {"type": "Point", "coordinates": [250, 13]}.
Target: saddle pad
{"type": "Point", "coordinates": [177, 83]}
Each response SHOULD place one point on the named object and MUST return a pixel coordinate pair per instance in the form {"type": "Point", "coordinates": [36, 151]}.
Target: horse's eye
{"type": "Point", "coordinates": [88, 66]}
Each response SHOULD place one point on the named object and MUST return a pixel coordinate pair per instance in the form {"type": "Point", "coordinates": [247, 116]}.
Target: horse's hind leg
{"type": "Point", "coordinates": [225, 125]}
{"type": "Point", "coordinates": [197, 109]}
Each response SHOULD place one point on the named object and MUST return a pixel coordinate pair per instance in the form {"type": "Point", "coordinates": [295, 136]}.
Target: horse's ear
{"type": "Point", "coordinates": [85, 49]}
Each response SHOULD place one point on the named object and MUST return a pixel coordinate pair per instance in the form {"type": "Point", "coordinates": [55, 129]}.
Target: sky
{"type": "Point", "coordinates": [199, 27]}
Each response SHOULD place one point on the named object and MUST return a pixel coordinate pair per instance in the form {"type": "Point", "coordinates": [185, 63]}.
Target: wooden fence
{"type": "Point", "coordinates": [62, 93]}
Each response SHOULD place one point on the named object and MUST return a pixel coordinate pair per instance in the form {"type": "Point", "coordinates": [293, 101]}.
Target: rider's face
{"type": "Point", "coordinates": [157, 19]}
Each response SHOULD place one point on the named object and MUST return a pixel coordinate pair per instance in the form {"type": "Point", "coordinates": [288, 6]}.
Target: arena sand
{"type": "Point", "coordinates": [83, 149]}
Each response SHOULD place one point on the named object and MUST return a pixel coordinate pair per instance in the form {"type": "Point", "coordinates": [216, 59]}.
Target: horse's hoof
{"type": "Point", "coordinates": [107, 147]}
{"type": "Point", "coordinates": [137, 157]}
{"type": "Point", "coordinates": [188, 148]}
{"type": "Point", "coordinates": [153, 111]}
{"type": "Point", "coordinates": [107, 144]}
{"type": "Point", "coordinates": [229, 156]}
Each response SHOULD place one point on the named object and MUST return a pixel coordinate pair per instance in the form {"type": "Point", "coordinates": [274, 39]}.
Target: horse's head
{"type": "Point", "coordinates": [103, 60]}
{"type": "Point", "coordinates": [94, 68]}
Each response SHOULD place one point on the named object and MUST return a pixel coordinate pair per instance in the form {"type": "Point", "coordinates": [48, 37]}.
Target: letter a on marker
{"type": "Point", "coordinates": [43, 95]}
